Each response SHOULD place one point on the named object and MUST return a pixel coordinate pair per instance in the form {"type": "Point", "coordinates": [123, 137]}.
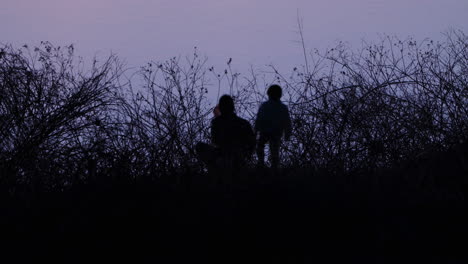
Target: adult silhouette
{"type": "Point", "coordinates": [232, 138]}
{"type": "Point", "coordinates": [273, 121]}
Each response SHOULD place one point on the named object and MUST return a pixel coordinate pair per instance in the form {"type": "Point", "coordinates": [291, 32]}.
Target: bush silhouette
{"type": "Point", "coordinates": [352, 110]}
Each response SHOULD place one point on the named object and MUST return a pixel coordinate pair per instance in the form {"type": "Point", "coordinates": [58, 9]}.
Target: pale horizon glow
{"type": "Point", "coordinates": [252, 32]}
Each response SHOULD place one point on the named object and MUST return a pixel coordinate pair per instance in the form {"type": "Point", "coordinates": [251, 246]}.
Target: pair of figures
{"type": "Point", "coordinates": [233, 139]}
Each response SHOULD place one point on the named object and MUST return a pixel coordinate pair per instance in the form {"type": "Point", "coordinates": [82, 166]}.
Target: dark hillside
{"type": "Point", "coordinates": [296, 213]}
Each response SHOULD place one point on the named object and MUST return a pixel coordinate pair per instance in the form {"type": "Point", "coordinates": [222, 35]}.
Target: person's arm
{"type": "Point", "coordinates": [214, 132]}
{"type": "Point", "coordinates": [251, 140]}
{"type": "Point", "coordinates": [259, 120]}
{"type": "Point", "coordinates": [287, 125]}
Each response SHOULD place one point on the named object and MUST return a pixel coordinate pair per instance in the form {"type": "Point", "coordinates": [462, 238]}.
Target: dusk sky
{"type": "Point", "coordinates": [252, 32]}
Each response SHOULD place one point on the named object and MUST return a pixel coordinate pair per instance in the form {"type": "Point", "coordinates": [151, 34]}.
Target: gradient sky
{"type": "Point", "coordinates": [252, 32]}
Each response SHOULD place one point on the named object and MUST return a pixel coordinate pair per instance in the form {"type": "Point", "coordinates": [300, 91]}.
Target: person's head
{"type": "Point", "coordinates": [226, 104]}
{"type": "Point", "coordinates": [274, 92]}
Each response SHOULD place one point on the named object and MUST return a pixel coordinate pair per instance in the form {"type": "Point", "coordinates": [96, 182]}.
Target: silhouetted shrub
{"type": "Point", "coordinates": [52, 113]}
{"type": "Point", "coordinates": [62, 122]}
{"type": "Point", "coordinates": [380, 105]}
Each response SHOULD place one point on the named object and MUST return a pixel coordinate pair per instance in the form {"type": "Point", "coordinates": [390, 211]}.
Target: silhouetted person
{"type": "Point", "coordinates": [232, 138]}
{"type": "Point", "coordinates": [273, 121]}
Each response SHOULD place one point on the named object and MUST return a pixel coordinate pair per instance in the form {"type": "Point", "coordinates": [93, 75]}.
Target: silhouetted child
{"type": "Point", "coordinates": [232, 138]}
{"type": "Point", "coordinates": [273, 121]}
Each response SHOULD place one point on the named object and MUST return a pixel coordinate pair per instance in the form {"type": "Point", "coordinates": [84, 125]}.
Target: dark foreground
{"type": "Point", "coordinates": [295, 216]}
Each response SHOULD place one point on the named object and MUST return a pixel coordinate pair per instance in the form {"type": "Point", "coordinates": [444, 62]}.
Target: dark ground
{"type": "Point", "coordinates": [292, 217]}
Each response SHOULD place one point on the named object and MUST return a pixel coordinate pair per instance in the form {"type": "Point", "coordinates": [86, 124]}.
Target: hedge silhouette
{"type": "Point", "coordinates": [63, 123]}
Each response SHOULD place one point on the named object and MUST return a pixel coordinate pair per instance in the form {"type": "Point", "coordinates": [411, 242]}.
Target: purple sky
{"type": "Point", "coordinates": [256, 32]}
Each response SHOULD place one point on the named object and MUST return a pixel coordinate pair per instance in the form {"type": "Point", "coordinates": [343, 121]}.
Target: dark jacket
{"type": "Point", "coordinates": [273, 119]}
{"type": "Point", "coordinates": [231, 133]}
